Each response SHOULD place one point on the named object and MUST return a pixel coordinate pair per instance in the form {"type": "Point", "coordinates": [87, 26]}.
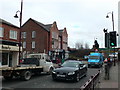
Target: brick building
{"type": "Point", "coordinates": [63, 39]}
{"type": "Point", "coordinates": [9, 40]}
{"type": "Point", "coordinates": [35, 37]}
{"type": "Point", "coordinates": [43, 38]}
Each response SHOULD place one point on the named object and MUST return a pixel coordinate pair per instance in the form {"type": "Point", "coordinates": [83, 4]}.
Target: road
{"type": "Point", "coordinates": [45, 81]}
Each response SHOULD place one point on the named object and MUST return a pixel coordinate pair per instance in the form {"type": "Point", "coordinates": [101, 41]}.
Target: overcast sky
{"type": "Point", "coordinates": [84, 19]}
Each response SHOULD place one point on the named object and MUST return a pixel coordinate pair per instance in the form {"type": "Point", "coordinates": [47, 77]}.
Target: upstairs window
{"type": "Point", "coordinates": [13, 34]}
{"type": "Point", "coordinates": [33, 44]}
{"type": "Point", "coordinates": [24, 34]}
{"type": "Point", "coordinates": [24, 44]}
{"type": "Point", "coordinates": [33, 34]}
{"type": "Point", "coordinates": [1, 32]}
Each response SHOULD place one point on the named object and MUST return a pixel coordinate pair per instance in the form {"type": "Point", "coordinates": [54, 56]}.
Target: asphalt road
{"type": "Point", "coordinates": [45, 81]}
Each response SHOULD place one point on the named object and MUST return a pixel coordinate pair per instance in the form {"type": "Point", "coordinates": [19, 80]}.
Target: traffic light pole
{"type": "Point", "coordinates": [113, 30]}
{"type": "Point", "coordinates": [114, 56]}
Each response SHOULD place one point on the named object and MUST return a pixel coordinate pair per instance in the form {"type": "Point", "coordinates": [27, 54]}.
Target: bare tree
{"type": "Point", "coordinates": [86, 46]}
{"type": "Point", "coordinates": [79, 45]}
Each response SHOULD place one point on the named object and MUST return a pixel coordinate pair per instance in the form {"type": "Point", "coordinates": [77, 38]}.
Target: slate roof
{"type": "Point", "coordinates": [46, 27]}
{"type": "Point", "coordinates": [7, 23]}
{"type": "Point", "coordinates": [60, 32]}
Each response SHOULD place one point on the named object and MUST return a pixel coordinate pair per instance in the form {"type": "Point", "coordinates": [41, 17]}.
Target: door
{"type": "Point", "coordinates": [5, 59]}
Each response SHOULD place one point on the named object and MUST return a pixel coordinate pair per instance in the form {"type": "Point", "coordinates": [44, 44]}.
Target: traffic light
{"type": "Point", "coordinates": [107, 40]}
{"type": "Point", "coordinates": [113, 39]}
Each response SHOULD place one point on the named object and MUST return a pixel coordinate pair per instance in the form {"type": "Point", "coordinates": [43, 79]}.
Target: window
{"type": "Point", "coordinates": [24, 44]}
{"type": "Point", "coordinates": [24, 34]}
{"type": "Point", "coordinates": [1, 32]}
{"type": "Point", "coordinates": [13, 34]}
{"type": "Point", "coordinates": [33, 34]}
{"type": "Point", "coordinates": [33, 44]}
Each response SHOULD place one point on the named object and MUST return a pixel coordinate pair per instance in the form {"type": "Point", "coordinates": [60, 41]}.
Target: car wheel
{"type": "Point", "coordinates": [26, 75]}
{"type": "Point", "coordinates": [53, 78]}
{"type": "Point", "coordinates": [85, 74]}
{"type": "Point", "coordinates": [88, 66]}
{"type": "Point", "coordinates": [50, 71]}
{"type": "Point", "coordinates": [77, 78]}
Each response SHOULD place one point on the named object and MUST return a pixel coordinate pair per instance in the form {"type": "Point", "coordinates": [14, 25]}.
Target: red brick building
{"type": "Point", "coordinates": [35, 37]}
{"type": "Point", "coordinates": [63, 39]}
{"type": "Point", "coordinates": [9, 40]}
{"type": "Point", "coordinates": [39, 38]}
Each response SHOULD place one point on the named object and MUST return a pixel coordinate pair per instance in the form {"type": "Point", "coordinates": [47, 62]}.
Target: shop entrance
{"type": "Point", "coordinates": [5, 58]}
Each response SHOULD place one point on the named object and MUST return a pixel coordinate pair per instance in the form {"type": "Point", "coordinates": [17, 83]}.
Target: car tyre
{"type": "Point", "coordinates": [26, 75]}
{"type": "Point", "coordinates": [77, 78]}
{"type": "Point", "coordinates": [50, 71]}
{"type": "Point", "coordinates": [89, 66]}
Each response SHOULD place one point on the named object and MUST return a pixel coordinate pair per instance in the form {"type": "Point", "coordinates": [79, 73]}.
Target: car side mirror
{"type": "Point", "coordinates": [81, 65]}
{"type": "Point", "coordinates": [59, 64]}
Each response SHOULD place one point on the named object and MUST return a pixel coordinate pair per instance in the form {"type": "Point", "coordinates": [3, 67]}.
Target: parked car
{"type": "Point", "coordinates": [70, 70]}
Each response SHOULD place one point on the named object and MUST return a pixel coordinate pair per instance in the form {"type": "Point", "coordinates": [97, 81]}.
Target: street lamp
{"type": "Point", "coordinates": [16, 16]}
{"type": "Point", "coordinates": [113, 29]}
{"type": "Point", "coordinates": [112, 18]}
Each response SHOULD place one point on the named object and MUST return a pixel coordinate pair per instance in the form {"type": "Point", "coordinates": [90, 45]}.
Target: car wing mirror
{"type": "Point", "coordinates": [81, 65]}
{"type": "Point", "coordinates": [60, 65]}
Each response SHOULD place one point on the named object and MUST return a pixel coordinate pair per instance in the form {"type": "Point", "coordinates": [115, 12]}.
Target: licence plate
{"type": "Point", "coordinates": [61, 75]}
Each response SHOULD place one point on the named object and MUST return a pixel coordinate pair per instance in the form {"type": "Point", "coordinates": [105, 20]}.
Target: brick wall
{"type": "Point", "coordinates": [7, 29]}
{"type": "Point", "coordinates": [41, 39]}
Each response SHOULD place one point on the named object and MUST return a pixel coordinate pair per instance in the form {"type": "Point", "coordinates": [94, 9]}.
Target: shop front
{"type": "Point", "coordinates": [58, 56]}
{"type": "Point", "coordinates": [8, 55]}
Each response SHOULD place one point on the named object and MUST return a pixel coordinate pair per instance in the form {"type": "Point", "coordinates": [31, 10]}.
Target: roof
{"type": "Point", "coordinates": [46, 27]}
{"type": "Point", "coordinates": [60, 32]}
{"type": "Point", "coordinates": [7, 23]}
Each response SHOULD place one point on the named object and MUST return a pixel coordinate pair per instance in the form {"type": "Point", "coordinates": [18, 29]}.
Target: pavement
{"type": "Point", "coordinates": [112, 82]}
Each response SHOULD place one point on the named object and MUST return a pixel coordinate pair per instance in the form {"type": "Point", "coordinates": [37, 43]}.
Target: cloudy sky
{"type": "Point", "coordinates": [84, 19]}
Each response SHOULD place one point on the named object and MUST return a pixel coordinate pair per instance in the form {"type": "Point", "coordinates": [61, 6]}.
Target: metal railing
{"type": "Point", "coordinates": [92, 83]}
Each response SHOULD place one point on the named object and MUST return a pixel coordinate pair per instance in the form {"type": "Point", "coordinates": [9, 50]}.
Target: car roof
{"type": "Point", "coordinates": [74, 61]}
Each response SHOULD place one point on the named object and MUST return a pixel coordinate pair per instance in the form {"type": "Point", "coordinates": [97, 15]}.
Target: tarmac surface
{"type": "Point", "coordinates": [113, 81]}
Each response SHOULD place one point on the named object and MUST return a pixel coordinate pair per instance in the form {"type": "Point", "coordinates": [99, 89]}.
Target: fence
{"type": "Point", "coordinates": [92, 83]}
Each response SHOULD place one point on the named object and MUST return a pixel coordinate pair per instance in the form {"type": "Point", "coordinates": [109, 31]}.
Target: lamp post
{"type": "Point", "coordinates": [20, 20]}
{"type": "Point", "coordinates": [113, 29]}
{"type": "Point", "coordinates": [112, 18]}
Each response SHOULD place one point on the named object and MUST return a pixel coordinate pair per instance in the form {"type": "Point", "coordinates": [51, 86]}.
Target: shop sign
{"type": "Point", "coordinates": [5, 47]}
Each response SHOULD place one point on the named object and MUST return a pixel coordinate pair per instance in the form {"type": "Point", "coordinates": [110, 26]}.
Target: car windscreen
{"type": "Point", "coordinates": [93, 57]}
{"type": "Point", "coordinates": [70, 64]}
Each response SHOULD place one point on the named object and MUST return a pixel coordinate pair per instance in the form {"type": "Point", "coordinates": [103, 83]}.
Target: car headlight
{"type": "Point", "coordinates": [71, 73]}
{"type": "Point", "coordinates": [53, 72]}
